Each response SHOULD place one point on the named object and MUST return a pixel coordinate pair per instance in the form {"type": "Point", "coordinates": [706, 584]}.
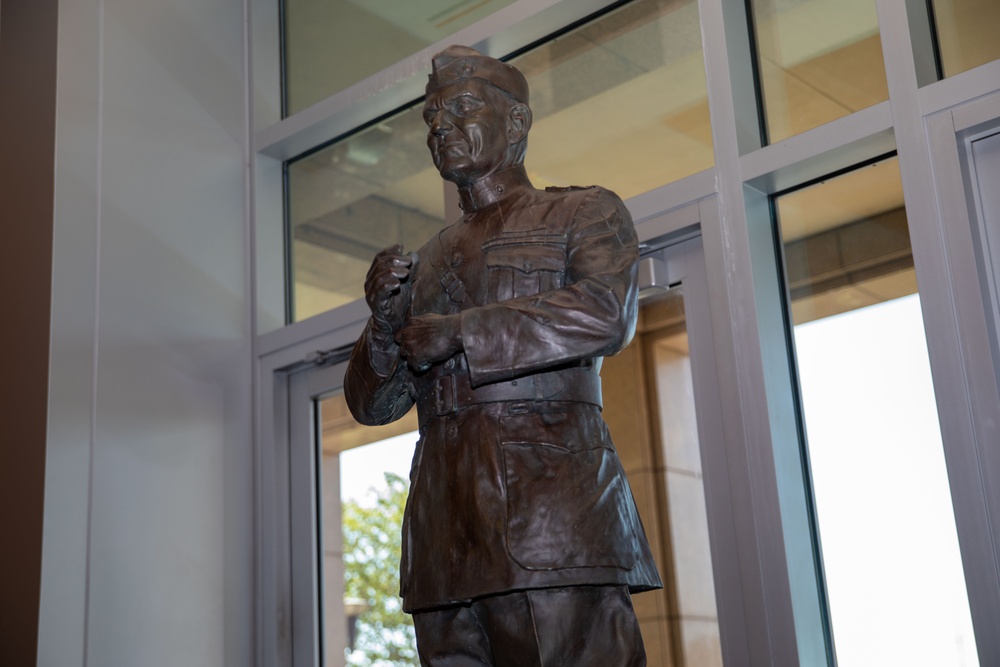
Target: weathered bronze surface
{"type": "Point", "coordinates": [495, 330]}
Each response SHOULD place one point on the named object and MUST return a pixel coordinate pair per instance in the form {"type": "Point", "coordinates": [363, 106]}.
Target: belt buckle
{"type": "Point", "coordinates": [444, 395]}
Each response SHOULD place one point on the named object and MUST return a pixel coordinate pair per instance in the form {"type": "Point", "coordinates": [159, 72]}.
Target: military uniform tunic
{"type": "Point", "coordinates": [515, 483]}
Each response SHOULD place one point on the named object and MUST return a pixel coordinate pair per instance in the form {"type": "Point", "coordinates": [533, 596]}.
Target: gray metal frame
{"type": "Point", "coordinates": [287, 580]}
{"type": "Point", "coordinates": [969, 322]}
{"type": "Point", "coordinates": [765, 620]}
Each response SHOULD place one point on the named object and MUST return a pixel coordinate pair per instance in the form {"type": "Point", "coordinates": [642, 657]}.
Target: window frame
{"type": "Point", "coordinates": [925, 120]}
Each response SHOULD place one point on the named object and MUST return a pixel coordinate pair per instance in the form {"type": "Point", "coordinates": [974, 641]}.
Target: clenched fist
{"type": "Point", "coordinates": [387, 287]}
{"type": "Point", "coordinates": [429, 339]}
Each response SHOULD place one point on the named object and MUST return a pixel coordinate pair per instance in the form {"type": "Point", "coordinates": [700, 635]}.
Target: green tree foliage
{"type": "Point", "coordinates": [372, 546]}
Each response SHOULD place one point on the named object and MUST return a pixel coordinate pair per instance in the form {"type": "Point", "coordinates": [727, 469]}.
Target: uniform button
{"type": "Point", "coordinates": [452, 430]}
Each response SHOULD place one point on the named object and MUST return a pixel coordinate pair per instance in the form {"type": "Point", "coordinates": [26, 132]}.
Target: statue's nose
{"type": "Point", "coordinates": [441, 124]}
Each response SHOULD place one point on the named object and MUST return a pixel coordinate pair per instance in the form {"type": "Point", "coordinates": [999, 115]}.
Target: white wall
{"type": "Point", "coordinates": [148, 542]}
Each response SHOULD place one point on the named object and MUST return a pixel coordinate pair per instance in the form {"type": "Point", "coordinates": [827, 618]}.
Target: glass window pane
{"type": "Point", "coordinates": [331, 44]}
{"type": "Point", "coordinates": [621, 101]}
{"type": "Point", "coordinates": [350, 200]}
{"type": "Point", "coordinates": [894, 575]}
{"type": "Point", "coordinates": [650, 410]}
{"type": "Point", "coordinates": [365, 478]}
{"type": "Point", "coordinates": [967, 32]}
{"type": "Point", "coordinates": [818, 60]}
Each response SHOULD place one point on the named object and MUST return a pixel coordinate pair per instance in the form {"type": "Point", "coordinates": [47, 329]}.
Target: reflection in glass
{"type": "Point", "coordinates": [818, 60]}
{"type": "Point", "coordinates": [349, 200]}
{"type": "Point", "coordinates": [894, 576]}
{"type": "Point", "coordinates": [649, 407]}
{"type": "Point", "coordinates": [363, 486]}
{"type": "Point", "coordinates": [331, 44]}
{"type": "Point", "coordinates": [621, 101]}
{"type": "Point", "coordinates": [967, 33]}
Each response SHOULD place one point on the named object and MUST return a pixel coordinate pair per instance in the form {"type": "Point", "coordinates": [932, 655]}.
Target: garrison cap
{"type": "Point", "coordinates": [461, 62]}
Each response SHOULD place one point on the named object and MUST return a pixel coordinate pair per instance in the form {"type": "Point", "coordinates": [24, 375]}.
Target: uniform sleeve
{"type": "Point", "coordinates": [592, 315]}
{"type": "Point", "coordinates": [377, 382]}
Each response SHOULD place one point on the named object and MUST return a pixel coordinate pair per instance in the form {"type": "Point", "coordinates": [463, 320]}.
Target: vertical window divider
{"type": "Point", "coordinates": [733, 252]}
{"type": "Point", "coordinates": [940, 297]}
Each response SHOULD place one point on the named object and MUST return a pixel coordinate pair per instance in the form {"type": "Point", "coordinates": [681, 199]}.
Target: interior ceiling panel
{"type": "Point", "coordinates": [428, 20]}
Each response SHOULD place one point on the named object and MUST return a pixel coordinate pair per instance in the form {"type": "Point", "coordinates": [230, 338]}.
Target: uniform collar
{"type": "Point", "coordinates": [492, 188]}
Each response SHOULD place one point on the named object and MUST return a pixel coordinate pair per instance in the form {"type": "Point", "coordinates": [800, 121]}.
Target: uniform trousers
{"type": "Point", "coordinates": [576, 626]}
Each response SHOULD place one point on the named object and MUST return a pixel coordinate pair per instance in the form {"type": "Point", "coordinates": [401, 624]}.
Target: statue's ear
{"type": "Point", "coordinates": [518, 123]}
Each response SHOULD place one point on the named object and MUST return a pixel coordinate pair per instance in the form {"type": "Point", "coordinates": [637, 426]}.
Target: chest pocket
{"type": "Point", "coordinates": [524, 266]}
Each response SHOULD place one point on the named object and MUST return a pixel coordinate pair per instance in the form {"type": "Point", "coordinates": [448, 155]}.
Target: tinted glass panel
{"type": "Point", "coordinates": [650, 410]}
{"type": "Point", "coordinates": [893, 570]}
{"type": "Point", "coordinates": [363, 487]}
{"type": "Point", "coordinates": [818, 60]}
{"type": "Point", "coordinates": [968, 33]}
{"type": "Point", "coordinates": [330, 44]}
{"type": "Point", "coordinates": [350, 200]}
{"type": "Point", "coordinates": [621, 102]}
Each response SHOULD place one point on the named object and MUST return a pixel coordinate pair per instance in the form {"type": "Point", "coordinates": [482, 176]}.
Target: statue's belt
{"type": "Point", "coordinates": [452, 392]}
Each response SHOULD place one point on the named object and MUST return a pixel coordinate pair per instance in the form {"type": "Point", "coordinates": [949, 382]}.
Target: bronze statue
{"type": "Point", "coordinates": [521, 540]}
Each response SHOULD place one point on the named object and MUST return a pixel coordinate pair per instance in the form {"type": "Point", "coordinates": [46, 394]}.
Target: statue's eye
{"type": "Point", "coordinates": [465, 104]}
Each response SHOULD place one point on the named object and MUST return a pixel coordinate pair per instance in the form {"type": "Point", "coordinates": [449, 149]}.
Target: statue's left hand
{"type": "Point", "coordinates": [428, 339]}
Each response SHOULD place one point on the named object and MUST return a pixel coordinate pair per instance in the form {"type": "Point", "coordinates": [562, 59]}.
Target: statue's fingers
{"type": "Point", "coordinates": [386, 261]}
{"type": "Point", "coordinates": [396, 249]}
{"type": "Point", "coordinates": [382, 286]}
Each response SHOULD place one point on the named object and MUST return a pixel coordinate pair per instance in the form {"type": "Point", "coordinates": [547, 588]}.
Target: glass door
{"type": "Point", "coordinates": [651, 403]}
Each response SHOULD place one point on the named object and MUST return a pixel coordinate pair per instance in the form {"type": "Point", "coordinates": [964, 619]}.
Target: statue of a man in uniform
{"type": "Point", "coordinates": [521, 540]}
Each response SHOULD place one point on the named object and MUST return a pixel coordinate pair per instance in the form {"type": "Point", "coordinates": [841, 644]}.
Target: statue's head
{"type": "Point", "coordinates": [477, 115]}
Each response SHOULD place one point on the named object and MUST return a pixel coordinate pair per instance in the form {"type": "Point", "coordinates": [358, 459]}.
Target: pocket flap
{"type": "Point", "coordinates": [527, 257]}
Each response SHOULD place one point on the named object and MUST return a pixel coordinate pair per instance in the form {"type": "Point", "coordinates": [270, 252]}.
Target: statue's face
{"type": "Point", "coordinates": [467, 130]}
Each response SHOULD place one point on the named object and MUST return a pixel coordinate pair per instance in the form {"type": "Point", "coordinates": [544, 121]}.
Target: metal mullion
{"type": "Point", "coordinates": [972, 462]}
{"type": "Point", "coordinates": [273, 589]}
{"type": "Point", "coordinates": [730, 71]}
{"type": "Point", "coordinates": [718, 487]}
{"type": "Point", "coordinates": [264, 37]}
{"type": "Point", "coordinates": [959, 88]}
{"type": "Point", "coordinates": [944, 294]}
{"type": "Point", "coordinates": [283, 541]}
{"type": "Point", "coordinates": [302, 518]}
{"type": "Point", "coordinates": [671, 196]}
{"type": "Point", "coordinates": [343, 324]}
{"type": "Point", "coordinates": [738, 277]}
{"type": "Point", "coordinates": [822, 150]}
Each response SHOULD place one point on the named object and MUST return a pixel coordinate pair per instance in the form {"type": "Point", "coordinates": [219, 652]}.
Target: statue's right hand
{"type": "Point", "coordinates": [384, 287]}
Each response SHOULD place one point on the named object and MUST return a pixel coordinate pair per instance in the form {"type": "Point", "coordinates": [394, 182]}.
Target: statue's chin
{"type": "Point", "coordinates": [459, 177]}
{"type": "Point", "coordinates": [464, 175]}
